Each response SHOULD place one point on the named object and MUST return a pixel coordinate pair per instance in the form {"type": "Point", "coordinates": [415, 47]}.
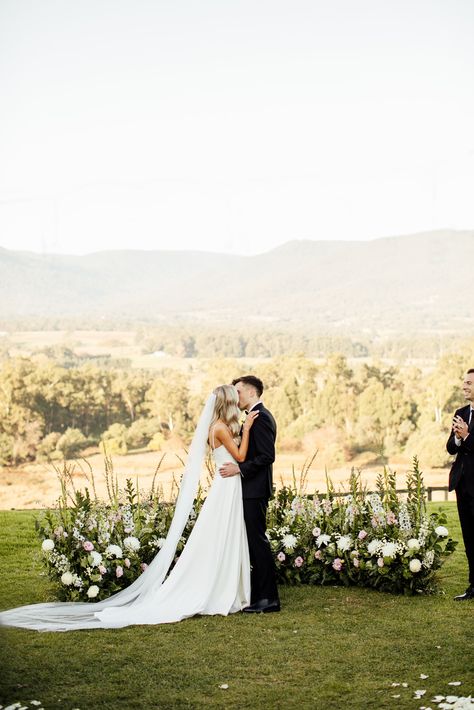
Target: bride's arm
{"type": "Point", "coordinates": [223, 436]}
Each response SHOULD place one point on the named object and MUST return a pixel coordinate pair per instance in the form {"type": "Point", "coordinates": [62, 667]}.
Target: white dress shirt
{"type": "Point", "coordinates": [254, 405]}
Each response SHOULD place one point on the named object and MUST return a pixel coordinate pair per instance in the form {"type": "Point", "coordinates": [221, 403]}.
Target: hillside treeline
{"type": "Point", "coordinates": [191, 340]}
{"type": "Point", "coordinates": [361, 413]}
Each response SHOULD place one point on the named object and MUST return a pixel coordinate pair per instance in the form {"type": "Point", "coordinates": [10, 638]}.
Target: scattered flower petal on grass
{"type": "Point", "coordinates": [423, 676]}
{"type": "Point", "coordinates": [224, 686]}
{"type": "Point", "coordinates": [455, 682]}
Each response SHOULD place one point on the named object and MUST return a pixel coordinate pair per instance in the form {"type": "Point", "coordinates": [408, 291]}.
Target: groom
{"type": "Point", "coordinates": [256, 473]}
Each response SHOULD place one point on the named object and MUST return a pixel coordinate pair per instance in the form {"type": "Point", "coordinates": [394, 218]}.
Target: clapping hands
{"type": "Point", "coordinates": [460, 427]}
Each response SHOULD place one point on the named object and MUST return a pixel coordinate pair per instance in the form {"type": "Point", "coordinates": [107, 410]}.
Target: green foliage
{"type": "Point", "coordinates": [71, 442]}
{"type": "Point", "coordinates": [375, 410]}
{"type": "Point", "coordinates": [141, 432]}
{"type": "Point", "coordinates": [114, 440]}
{"type": "Point", "coordinates": [93, 549]}
{"type": "Point", "coordinates": [365, 539]}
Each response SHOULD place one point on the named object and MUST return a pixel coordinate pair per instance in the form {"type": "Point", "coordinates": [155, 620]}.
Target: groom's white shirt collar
{"type": "Point", "coordinates": [254, 405]}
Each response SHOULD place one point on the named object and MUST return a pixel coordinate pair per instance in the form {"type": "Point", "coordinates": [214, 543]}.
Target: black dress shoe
{"type": "Point", "coordinates": [468, 594]}
{"type": "Point", "coordinates": [263, 606]}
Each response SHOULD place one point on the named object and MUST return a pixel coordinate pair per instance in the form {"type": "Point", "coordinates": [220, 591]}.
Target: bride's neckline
{"type": "Point", "coordinates": [218, 447]}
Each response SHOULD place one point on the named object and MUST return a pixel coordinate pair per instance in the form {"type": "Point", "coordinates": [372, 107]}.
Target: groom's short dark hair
{"type": "Point", "coordinates": [250, 380]}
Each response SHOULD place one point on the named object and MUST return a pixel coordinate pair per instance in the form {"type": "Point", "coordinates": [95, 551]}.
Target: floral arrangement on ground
{"type": "Point", "coordinates": [382, 540]}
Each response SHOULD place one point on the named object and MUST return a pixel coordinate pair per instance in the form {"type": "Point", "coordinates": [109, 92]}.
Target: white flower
{"type": "Point", "coordinates": [160, 542]}
{"type": "Point", "coordinates": [389, 549]}
{"type": "Point", "coordinates": [373, 546]}
{"type": "Point", "coordinates": [96, 558]}
{"type": "Point", "coordinates": [131, 543]}
{"type": "Point", "coordinates": [67, 578]}
{"type": "Point", "coordinates": [289, 542]}
{"type": "Point", "coordinates": [93, 591]}
{"type": "Point", "coordinates": [441, 531]}
{"type": "Point", "coordinates": [48, 545]}
{"type": "Point", "coordinates": [428, 559]}
{"type": "Point", "coordinates": [415, 565]}
{"type": "Point", "coordinates": [344, 543]}
{"type": "Point", "coordinates": [113, 551]}
{"type": "Point", "coordinates": [323, 540]}
{"type": "Point", "coordinates": [413, 544]}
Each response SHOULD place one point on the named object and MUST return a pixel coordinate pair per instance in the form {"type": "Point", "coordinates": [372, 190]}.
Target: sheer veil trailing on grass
{"type": "Point", "coordinates": [131, 605]}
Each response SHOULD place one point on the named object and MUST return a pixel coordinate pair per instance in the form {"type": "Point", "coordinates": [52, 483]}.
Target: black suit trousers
{"type": "Point", "coordinates": [262, 576]}
{"type": "Point", "coordinates": [465, 501]}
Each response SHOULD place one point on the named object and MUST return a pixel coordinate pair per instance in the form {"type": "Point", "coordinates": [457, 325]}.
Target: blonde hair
{"type": "Point", "coordinates": [226, 409]}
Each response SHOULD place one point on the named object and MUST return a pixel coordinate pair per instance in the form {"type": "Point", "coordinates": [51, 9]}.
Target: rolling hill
{"type": "Point", "coordinates": [420, 281]}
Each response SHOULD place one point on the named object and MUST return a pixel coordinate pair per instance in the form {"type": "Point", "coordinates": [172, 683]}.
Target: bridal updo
{"type": "Point", "coordinates": [227, 408]}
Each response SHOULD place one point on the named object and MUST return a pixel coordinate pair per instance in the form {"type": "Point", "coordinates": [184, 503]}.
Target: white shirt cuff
{"type": "Point", "coordinates": [457, 440]}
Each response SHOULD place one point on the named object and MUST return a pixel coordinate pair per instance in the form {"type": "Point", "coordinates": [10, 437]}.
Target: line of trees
{"type": "Point", "coordinates": [49, 411]}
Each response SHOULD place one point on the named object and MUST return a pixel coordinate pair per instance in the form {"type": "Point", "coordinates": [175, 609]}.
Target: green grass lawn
{"type": "Point", "coordinates": [330, 647]}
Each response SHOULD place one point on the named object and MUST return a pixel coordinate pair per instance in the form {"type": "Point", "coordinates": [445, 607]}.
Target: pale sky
{"type": "Point", "coordinates": [233, 126]}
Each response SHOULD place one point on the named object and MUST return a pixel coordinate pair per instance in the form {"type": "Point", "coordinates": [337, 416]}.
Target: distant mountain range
{"type": "Point", "coordinates": [421, 281]}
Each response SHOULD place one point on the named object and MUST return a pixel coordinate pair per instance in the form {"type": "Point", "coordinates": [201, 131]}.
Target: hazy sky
{"type": "Point", "coordinates": [233, 125]}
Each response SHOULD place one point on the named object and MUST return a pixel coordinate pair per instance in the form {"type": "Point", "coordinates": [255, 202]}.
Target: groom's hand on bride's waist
{"type": "Point", "coordinates": [229, 469]}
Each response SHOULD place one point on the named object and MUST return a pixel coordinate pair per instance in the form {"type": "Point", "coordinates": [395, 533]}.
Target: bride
{"type": "Point", "coordinates": [212, 574]}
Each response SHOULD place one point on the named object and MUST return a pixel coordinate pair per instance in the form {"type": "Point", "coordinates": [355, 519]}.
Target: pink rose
{"type": "Point", "coordinates": [337, 564]}
{"type": "Point", "coordinates": [281, 556]}
{"type": "Point", "coordinates": [299, 561]}
{"type": "Point", "coordinates": [374, 522]}
{"type": "Point", "coordinates": [88, 546]}
{"type": "Point", "coordinates": [318, 555]}
{"type": "Point", "coordinates": [355, 562]}
{"type": "Point", "coordinates": [317, 532]}
{"type": "Point", "coordinates": [127, 562]}
{"type": "Point", "coordinates": [102, 569]}
{"type": "Point", "coordinates": [143, 566]}
{"type": "Point", "coordinates": [380, 562]}
{"type": "Point", "coordinates": [118, 571]}
{"type": "Point", "coordinates": [391, 518]}
{"type": "Point", "coordinates": [362, 534]}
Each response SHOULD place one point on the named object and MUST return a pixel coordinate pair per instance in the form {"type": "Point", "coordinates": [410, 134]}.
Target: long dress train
{"type": "Point", "coordinates": [211, 576]}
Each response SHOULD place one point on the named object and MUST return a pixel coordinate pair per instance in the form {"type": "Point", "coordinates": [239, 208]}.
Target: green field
{"type": "Point", "coordinates": [329, 648]}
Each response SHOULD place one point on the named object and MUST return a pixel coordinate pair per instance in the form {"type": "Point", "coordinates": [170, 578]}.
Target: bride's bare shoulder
{"type": "Point", "coordinates": [220, 428]}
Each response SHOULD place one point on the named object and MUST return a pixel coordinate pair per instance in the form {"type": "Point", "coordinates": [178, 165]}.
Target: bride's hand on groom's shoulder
{"type": "Point", "coordinates": [251, 417]}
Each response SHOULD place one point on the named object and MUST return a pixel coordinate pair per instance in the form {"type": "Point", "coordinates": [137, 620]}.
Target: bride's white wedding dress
{"type": "Point", "coordinates": [211, 576]}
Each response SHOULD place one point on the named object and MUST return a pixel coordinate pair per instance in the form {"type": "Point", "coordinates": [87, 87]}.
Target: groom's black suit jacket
{"type": "Point", "coordinates": [463, 466]}
{"type": "Point", "coordinates": [257, 469]}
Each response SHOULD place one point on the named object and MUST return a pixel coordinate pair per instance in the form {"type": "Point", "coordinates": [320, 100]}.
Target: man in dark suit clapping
{"type": "Point", "coordinates": [461, 477]}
